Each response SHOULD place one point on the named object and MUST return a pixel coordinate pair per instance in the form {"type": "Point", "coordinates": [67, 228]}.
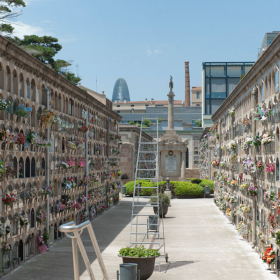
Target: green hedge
{"type": "Point", "coordinates": [178, 188]}
{"type": "Point", "coordinates": [208, 183]}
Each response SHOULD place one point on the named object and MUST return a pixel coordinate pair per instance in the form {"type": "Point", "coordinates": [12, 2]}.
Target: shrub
{"type": "Point", "coordinates": [138, 252]}
{"type": "Point", "coordinates": [208, 183]}
{"type": "Point", "coordinates": [163, 199]}
{"type": "Point", "coordinates": [196, 181]}
{"type": "Point", "coordinates": [144, 183]}
{"type": "Point", "coordinates": [188, 189]}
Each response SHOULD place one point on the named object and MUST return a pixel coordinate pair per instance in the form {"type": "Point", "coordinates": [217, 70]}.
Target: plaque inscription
{"type": "Point", "coordinates": [170, 164]}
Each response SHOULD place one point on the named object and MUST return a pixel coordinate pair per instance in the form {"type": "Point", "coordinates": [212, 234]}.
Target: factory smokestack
{"type": "Point", "coordinates": [187, 85]}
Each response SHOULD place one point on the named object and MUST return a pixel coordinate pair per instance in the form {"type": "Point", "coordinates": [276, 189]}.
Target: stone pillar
{"type": "Point", "coordinates": [170, 110]}
{"type": "Point", "coordinates": [183, 166]}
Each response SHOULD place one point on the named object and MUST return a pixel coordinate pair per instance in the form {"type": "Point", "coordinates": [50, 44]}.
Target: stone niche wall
{"type": "Point", "coordinates": [23, 80]}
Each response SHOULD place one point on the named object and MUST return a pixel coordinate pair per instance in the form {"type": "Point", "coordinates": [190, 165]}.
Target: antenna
{"type": "Point", "coordinates": [77, 66]}
{"type": "Point", "coordinates": [96, 82]}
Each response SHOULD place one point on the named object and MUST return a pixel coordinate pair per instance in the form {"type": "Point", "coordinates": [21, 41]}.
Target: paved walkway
{"type": "Point", "coordinates": [201, 244]}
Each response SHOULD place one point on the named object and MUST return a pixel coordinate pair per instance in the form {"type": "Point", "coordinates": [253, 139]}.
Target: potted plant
{"type": "Point", "coordinates": [145, 259]}
{"type": "Point", "coordinates": [164, 203]}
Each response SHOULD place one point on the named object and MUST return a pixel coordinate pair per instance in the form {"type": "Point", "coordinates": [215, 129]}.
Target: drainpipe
{"type": "Point", "coordinates": [254, 230]}
{"type": "Point", "coordinates": [48, 164]}
{"type": "Point", "coordinates": [86, 150]}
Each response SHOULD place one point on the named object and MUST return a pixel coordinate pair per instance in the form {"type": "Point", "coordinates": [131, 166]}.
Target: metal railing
{"type": "Point", "coordinates": [76, 231]}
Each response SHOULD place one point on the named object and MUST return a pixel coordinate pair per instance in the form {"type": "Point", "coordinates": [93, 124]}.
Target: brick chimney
{"type": "Point", "coordinates": [187, 85]}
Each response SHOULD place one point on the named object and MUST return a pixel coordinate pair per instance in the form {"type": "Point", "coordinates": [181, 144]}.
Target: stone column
{"type": "Point", "coordinates": [183, 166]}
{"type": "Point", "coordinates": [170, 110]}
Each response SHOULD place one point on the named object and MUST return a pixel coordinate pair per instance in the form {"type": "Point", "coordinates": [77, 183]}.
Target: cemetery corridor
{"type": "Point", "coordinates": [200, 241]}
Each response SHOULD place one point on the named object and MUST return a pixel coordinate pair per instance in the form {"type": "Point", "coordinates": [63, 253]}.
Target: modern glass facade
{"type": "Point", "coordinates": [120, 91]}
{"type": "Point", "coordinates": [220, 78]}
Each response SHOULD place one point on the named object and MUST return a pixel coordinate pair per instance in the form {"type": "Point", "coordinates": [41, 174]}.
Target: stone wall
{"type": "Point", "coordinates": [24, 82]}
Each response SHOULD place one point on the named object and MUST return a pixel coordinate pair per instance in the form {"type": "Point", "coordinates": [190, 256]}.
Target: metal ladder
{"type": "Point", "coordinates": [76, 231]}
{"type": "Point", "coordinates": [145, 224]}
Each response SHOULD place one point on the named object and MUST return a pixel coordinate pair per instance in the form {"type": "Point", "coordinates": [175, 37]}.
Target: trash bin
{"type": "Point", "coordinates": [128, 271]}
{"type": "Point", "coordinates": [123, 190]}
{"type": "Point", "coordinates": [206, 191]}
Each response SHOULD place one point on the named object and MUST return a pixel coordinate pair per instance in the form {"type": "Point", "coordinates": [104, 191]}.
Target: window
{"type": "Point", "coordinates": [118, 105]}
{"type": "Point", "coordinates": [147, 105]}
{"type": "Point", "coordinates": [262, 92]}
{"type": "Point", "coordinates": [197, 95]}
{"type": "Point", "coordinates": [132, 105]}
{"type": "Point", "coordinates": [277, 81]}
{"type": "Point", "coordinates": [118, 112]}
{"type": "Point", "coordinates": [218, 88]}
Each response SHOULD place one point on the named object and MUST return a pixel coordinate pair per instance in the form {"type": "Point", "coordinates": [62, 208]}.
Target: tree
{"type": "Point", "coordinates": [198, 123]}
{"type": "Point", "coordinates": [147, 123]}
{"type": "Point", "coordinates": [44, 49]}
{"type": "Point", "coordinates": [6, 14]}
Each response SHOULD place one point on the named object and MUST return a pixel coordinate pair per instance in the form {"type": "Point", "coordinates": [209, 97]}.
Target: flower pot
{"type": "Point", "coordinates": [145, 265]}
{"type": "Point", "coordinates": [163, 209]}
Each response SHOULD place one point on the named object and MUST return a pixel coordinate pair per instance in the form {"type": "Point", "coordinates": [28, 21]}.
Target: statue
{"type": "Point", "coordinates": [171, 84]}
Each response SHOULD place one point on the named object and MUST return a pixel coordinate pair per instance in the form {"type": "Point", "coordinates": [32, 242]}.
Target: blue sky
{"type": "Point", "coordinates": [146, 41]}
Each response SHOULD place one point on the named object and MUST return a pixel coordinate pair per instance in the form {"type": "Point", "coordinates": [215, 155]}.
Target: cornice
{"type": "Point", "coordinates": [22, 59]}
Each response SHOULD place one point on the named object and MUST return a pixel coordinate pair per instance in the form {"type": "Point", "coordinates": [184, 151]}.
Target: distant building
{"type": "Point", "coordinates": [100, 97]}
{"type": "Point", "coordinates": [267, 40]}
{"type": "Point", "coordinates": [196, 96]}
{"type": "Point", "coordinates": [218, 81]}
{"type": "Point", "coordinates": [141, 106]}
{"type": "Point", "coordinates": [120, 92]}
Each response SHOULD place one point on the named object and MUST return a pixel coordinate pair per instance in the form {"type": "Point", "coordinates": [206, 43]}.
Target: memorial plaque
{"type": "Point", "coordinates": [170, 164]}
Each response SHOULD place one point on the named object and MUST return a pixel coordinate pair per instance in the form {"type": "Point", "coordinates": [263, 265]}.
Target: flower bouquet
{"type": "Point", "coordinates": [269, 255]}
{"type": "Point", "coordinates": [48, 190]}
{"type": "Point", "coordinates": [83, 129]}
{"type": "Point", "coordinates": [92, 211]}
{"type": "Point", "coordinates": [20, 139]}
{"type": "Point", "coordinates": [231, 111]}
{"type": "Point", "coordinates": [256, 141]}
{"type": "Point", "coordinates": [244, 187]}
{"type": "Point", "coordinates": [269, 196]}
{"type": "Point", "coordinates": [259, 165]}
{"type": "Point", "coordinates": [247, 143]}
{"type": "Point", "coordinates": [215, 163]}
{"type": "Point", "coordinates": [71, 163]}
{"type": "Point", "coordinates": [2, 169]}
{"type": "Point", "coordinates": [234, 183]}
{"type": "Point", "coordinates": [48, 118]}
{"type": "Point", "coordinates": [119, 173]}
{"type": "Point", "coordinates": [31, 138]}
{"type": "Point", "coordinates": [41, 216]}
{"type": "Point", "coordinates": [249, 164]}
{"type": "Point", "coordinates": [23, 111]}
{"type": "Point", "coordinates": [72, 145]}
{"type": "Point", "coordinates": [4, 104]}
{"type": "Point", "coordinates": [262, 114]}
{"type": "Point", "coordinates": [72, 182]}
{"type": "Point", "coordinates": [6, 247]}
{"type": "Point", "coordinates": [270, 168]}
{"type": "Point", "coordinates": [99, 148]}
{"type": "Point", "coordinates": [266, 139]}
{"type": "Point", "coordinates": [43, 143]}
{"type": "Point", "coordinates": [9, 199]}
{"type": "Point", "coordinates": [23, 220]}
{"type": "Point", "coordinates": [8, 229]}
{"type": "Point", "coordinates": [253, 191]}
{"type": "Point", "coordinates": [81, 163]}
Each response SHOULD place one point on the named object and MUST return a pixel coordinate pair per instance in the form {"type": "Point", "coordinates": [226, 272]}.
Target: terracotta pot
{"type": "Point", "coordinates": [145, 265]}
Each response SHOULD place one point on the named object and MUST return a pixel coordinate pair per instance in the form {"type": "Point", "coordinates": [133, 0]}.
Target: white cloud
{"type": "Point", "coordinates": [153, 52]}
{"type": "Point", "coordinates": [22, 29]}
{"type": "Point", "coordinates": [67, 39]}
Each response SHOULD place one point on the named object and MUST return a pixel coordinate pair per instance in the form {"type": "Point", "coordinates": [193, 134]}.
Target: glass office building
{"type": "Point", "coordinates": [218, 81]}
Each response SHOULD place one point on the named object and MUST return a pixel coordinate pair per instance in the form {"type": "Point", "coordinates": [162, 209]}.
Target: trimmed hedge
{"type": "Point", "coordinates": [208, 183]}
{"type": "Point", "coordinates": [178, 188]}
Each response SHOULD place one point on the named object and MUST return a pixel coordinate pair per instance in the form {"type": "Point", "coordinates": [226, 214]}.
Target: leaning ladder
{"type": "Point", "coordinates": [144, 224]}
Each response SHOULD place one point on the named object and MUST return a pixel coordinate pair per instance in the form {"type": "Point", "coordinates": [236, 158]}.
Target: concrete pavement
{"type": "Point", "coordinates": [200, 241]}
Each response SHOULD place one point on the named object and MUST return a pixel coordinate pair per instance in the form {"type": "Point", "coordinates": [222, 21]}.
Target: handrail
{"type": "Point", "coordinates": [71, 227]}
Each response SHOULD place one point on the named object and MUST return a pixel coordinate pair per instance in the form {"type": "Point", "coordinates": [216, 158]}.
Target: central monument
{"type": "Point", "coordinates": [172, 149]}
